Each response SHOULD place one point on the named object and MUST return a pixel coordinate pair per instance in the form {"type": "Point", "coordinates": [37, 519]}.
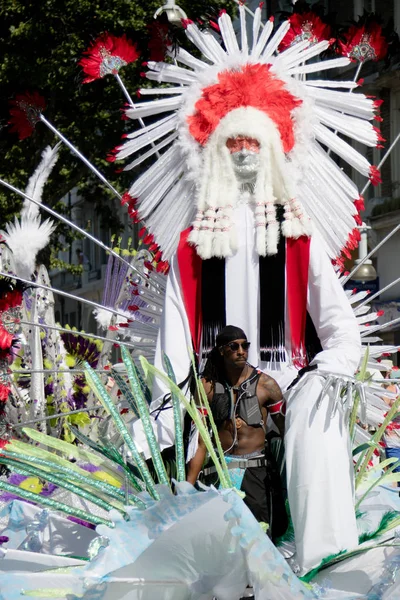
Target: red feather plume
{"type": "Point", "coordinates": [107, 55]}
{"type": "Point", "coordinates": [25, 112]}
{"type": "Point", "coordinates": [253, 85]}
{"type": "Point", "coordinates": [305, 26]}
{"type": "Point", "coordinates": [364, 42]}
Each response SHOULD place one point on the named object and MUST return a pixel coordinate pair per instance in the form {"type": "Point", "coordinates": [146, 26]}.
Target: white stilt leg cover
{"type": "Point", "coordinates": [319, 475]}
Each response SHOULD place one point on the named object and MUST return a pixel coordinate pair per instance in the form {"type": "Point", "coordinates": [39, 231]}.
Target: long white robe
{"type": "Point", "coordinates": [319, 466]}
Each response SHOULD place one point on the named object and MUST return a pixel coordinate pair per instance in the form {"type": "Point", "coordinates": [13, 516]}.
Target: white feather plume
{"type": "Point", "coordinates": [28, 235]}
{"type": "Point", "coordinates": [37, 181]}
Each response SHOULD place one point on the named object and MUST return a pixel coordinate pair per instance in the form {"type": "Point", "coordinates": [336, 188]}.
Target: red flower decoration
{"type": "Point", "coordinates": [25, 112]}
{"type": "Point", "coordinates": [305, 26]}
{"type": "Point", "coordinates": [107, 55]}
{"type": "Point", "coordinates": [364, 42]}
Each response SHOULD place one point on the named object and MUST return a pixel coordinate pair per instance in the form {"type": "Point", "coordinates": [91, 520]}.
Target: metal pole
{"type": "Point", "coordinates": [70, 224]}
{"type": "Point", "coordinates": [66, 294]}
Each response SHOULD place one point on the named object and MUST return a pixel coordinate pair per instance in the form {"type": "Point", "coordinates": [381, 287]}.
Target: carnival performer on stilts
{"type": "Point", "coordinates": [263, 210]}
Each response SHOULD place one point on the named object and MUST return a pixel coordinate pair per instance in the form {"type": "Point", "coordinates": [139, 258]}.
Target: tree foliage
{"type": "Point", "coordinates": [40, 46]}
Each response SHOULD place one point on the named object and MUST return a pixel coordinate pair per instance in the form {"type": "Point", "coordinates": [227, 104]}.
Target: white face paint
{"type": "Point", "coordinates": [246, 164]}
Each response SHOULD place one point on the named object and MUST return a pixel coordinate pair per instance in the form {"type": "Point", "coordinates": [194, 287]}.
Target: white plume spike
{"type": "Point", "coordinates": [243, 30]}
{"type": "Point", "coordinates": [357, 297]}
{"type": "Point", "coordinates": [362, 310]}
{"type": "Point", "coordinates": [289, 53]}
{"type": "Point", "coordinates": [36, 182]}
{"type": "Point", "coordinates": [256, 27]}
{"type": "Point", "coordinates": [228, 34]}
{"type": "Point", "coordinates": [334, 63]}
{"type": "Point", "coordinates": [198, 38]}
{"type": "Point", "coordinates": [353, 127]}
{"type": "Point", "coordinates": [167, 76]}
{"type": "Point", "coordinates": [368, 318]}
{"type": "Point", "coordinates": [185, 58]}
{"type": "Point", "coordinates": [156, 191]}
{"type": "Point", "coordinates": [377, 351]}
{"type": "Point", "coordinates": [351, 104]}
{"type": "Point", "coordinates": [263, 39]}
{"type": "Point", "coordinates": [335, 173]}
{"type": "Point", "coordinates": [331, 84]}
{"type": "Point", "coordinates": [161, 91]}
{"type": "Point", "coordinates": [185, 75]}
{"type": "Point", "coordinates": [156, 171]}
{"type": "Point", "coordinates": [342, 149]}
{"type": "Point", "coordinates": [151, 152]}
{"type": "Point", "coordinates": [153, 108]}
{"type": "Point", "coordinates": [276, 40]}
{"type": "Point", "coordinates": [162, 224]}
{"type": "Point", "coordinates": [144, 130]}
{"type": "Point", "coordinates": [131, 146]}
{"type": "Point", "coordinates": [307, 54]}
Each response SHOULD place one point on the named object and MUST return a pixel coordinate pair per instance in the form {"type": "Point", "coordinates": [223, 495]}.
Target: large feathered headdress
{"type": "Point", "coordinates": [249, 89]}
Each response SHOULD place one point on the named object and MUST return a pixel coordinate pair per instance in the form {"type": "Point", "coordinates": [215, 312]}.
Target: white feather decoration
{"type": "Point", "coordinates": [25, 237]}
{"type": "Point", "coordinates": [37, 181]}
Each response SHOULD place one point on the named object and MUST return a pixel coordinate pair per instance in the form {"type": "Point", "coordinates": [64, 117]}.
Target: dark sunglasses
{"type": "Point", "coordinates": [234, 346]}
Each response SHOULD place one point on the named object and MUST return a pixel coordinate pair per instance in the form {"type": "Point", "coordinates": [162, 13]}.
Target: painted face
{"type": "Point", "coordinates": [245, 156]}
{"type": "Point", "coordinates": [242, 142]}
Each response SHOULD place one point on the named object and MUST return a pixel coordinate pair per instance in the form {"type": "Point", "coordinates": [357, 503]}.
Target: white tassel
{"type": "Point", "coordinates": [272, 237]}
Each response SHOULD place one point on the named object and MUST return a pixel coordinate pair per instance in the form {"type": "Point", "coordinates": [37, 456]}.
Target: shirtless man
{"type": "Point", "coordinates": [240, 399]}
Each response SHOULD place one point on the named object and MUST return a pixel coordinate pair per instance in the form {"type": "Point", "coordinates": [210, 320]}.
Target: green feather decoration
{"type": "Point", "coordinates": [389, 520]}
{"type": "Point", "coordinates": [102, 395]}
{"type": "Point", "coordinates": [179, 449]}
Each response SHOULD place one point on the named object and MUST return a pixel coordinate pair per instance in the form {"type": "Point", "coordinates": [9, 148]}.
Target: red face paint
{"type": "Point", "coordinates": [242, 142]}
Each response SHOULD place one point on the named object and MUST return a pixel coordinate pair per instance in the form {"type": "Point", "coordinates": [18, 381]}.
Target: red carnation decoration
{"type": "Point", "coordinates": [25, 112]}
{"type": "Point", "coordinates": [107, 55]}
{"type": "Point", "coordinates": [364, 42]}
{"type": "Point", "coordinates": [306, 26]}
